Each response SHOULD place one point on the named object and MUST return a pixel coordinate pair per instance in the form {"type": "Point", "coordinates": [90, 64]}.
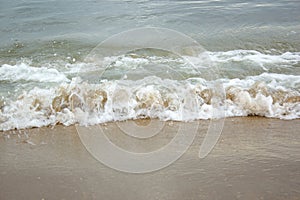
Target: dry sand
{"type": "Point", "coordinates": [255, 158]}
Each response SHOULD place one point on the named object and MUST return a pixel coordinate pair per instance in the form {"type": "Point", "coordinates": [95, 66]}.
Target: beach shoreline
{"type": "Point", "coordinates": [255, 158]}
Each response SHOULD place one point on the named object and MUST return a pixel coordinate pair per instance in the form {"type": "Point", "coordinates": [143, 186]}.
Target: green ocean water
{"type": "Point", "coordinates": [40, 29]}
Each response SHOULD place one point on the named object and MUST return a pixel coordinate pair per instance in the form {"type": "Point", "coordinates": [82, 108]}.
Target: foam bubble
{"type": "Point", "coordinates": [87, 104]}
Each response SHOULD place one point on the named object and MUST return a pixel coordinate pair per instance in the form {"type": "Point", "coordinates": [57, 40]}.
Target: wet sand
{"type": "Point", "coordinates": [255, 158]}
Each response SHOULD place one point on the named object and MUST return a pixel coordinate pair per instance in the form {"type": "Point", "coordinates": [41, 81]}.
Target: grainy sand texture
{"type": "Point", "coordinates": [255, 158]}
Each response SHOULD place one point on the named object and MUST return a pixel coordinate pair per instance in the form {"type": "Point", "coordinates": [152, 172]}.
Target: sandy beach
{"type": "Point", "coordinates": [255, 158]}
{"type": "Point", "coordinates": [119, 67]}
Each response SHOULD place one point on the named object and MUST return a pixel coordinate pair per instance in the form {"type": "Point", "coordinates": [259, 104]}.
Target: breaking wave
{"type": "Point", "coordinates": [257, 87]}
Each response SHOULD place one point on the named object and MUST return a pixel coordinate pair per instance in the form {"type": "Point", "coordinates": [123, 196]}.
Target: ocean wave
{"type": "Point", "coordinates": [137, 86]}
{"type": "Point", "coordinates": [269, 95]}
{"type": "Point", "coordinates": [229, 64]}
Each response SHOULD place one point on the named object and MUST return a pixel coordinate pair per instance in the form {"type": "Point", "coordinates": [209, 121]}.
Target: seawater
{"type": "Point", "coordinates": [254, 45]}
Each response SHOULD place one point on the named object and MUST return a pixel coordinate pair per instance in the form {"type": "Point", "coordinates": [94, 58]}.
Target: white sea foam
{"type": "Point", "coordinates": [255, 56]}
{"type": "Point", "coordinates": [254, 60]}
{"type": "Point", "coordinates": [76, 101]}
{"type": "Point", "coordinates": [19, 72]}
{"type": "Point", "coordinates": [86, 104]}
{"type": "Point", "coordinates": [269, 95]}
